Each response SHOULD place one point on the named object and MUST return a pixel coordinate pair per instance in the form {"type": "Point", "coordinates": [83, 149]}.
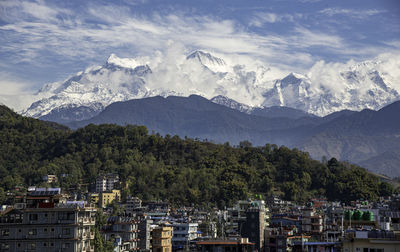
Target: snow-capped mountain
{"type": "Point", "coordinates": [117, 80]}
{"type": "Point", "coordinates": [207, 60]}
{"type": "Point", "coordinates": [322, 90]}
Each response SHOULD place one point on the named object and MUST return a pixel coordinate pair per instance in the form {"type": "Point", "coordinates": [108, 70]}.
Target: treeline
{"type": "Point", "coordinates": [180, 171]}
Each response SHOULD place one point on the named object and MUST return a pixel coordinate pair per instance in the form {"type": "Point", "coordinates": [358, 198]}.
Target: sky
{"type": "Point", "coordinates": [47, 41]}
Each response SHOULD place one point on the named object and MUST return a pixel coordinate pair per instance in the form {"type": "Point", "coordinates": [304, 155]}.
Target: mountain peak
{"type": "Point", "coordinates": [206, 59]}
{"type": "Point", "coordinates": [124, 62]}
{"type": "Point", "coordinates": [292, 79]}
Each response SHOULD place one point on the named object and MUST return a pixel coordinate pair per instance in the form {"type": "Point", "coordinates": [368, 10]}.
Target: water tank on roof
{"type": "Point", "coordinates": [348, 214]}
{"type": "Point", "coordinates": [368, 216]}
{"type": "Point", "coordinates": [357, 215]}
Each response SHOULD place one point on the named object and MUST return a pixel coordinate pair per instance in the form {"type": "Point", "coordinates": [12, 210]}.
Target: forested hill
{"type": "Point", "coordinates": [181, 171]}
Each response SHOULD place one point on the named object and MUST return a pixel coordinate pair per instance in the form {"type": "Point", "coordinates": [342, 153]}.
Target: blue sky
{"type": "Point", "coordinates": [46, 41]}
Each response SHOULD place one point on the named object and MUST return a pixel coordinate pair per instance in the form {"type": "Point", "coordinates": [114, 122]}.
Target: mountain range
{"type": "Point", "coordinates": [363, 137]}
{"type": "Point", "coordinates": [327, 112]}
{"type": "Point", "coordinates": [369, 84]}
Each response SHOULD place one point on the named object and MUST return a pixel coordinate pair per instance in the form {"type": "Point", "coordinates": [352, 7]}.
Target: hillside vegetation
{"type": "Point", "coordinates": [180, 171]}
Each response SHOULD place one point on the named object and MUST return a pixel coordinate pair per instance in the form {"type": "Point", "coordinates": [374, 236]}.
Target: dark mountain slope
{"type": "Point", "coordinates": [359, 137]}
{"type": "Point", "coordinates": [346, 135]}
{"type": "Point", "coordinates": [197, 117]}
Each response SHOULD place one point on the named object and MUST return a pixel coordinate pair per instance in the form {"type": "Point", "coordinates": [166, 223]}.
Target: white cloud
{"type": "Point", "coordinates": [11, 85]}
{"type": "Point", "coordinates": [261, 18]}
{"type": "Point", "coordinates": [35, 29]}
{"type": "Point", "coordinates": [361, 14]}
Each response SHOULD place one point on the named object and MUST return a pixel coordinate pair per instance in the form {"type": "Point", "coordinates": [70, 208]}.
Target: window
{"type": "Point", "coordinates": [45, 244]}
{"type": "Point", "coordinates": [45, 230]}
{"type": "Point", "coordinates": [66, 231]}
{"type": "Point", "coordinates": [33, 217]}
{"type": "Point", "coordinates": [32, 232]}
{"type": "Point", "coordinates": [66, 216]}
{"type": "Point", "coordinates": [65, 245]}
{"type": "Point", "coordinates": [4, 246]}
{"type": "Point", "coordinates": [5, 232]}
{"type": "Point", "coordinates": [32, 246]}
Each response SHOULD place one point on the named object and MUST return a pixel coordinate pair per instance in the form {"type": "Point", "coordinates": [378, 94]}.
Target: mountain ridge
{"type": "Point", "coordinates": [360, 85]}
{"type": "Point", "coordinates": [351, 136]}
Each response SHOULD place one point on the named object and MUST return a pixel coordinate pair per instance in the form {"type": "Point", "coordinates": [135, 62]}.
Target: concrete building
{"type": "Point", "coordinates": [107, 182]}
{"type": "Point", "coordinates": [184, 233]}
{"type": "Point", "coordinates": [312, 223]}
{"type": "Point", "coordinates": [60, 227]}
{"type": "Point", "coordinates": [240, 245]}
{"type": "Point", "coordinates": [49, 178]}
{"type": "Point", "coordinates": [371, 241]}
{"type": "Point", "coordinates": [144, 234]}
{"type": "Point", "coordinates": [124, 231]}
{"type": "Point", "coordinates": [253, 227]}
{"type": "Point", "coordinates": [237, 214]}
{"type": "Point", "coordinates": [108, 197]}
{"type": "Point", "coordinates": [162, 239]}
{"type": "Point", "coordinates": [132, 204]}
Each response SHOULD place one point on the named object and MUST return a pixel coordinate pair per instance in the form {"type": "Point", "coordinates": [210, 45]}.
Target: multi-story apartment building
{"type": "Point", "coordinates": [312, 222]}
{"type": "Point", "coordinates": [62, 227]}
{"type": "Point", "coordinates": [107, 182]}
{"type": "Point", "coordinates": [183, 234]}
{"type": "Point", "coordinates": [369, 241]}
{"type": "Point", "coordinates": [253, 227]}
{"type": "Point", "coordinates": [108, 197]}
{"type": "Point", "coordinates": [144, 233]}
{"type": "Point", "coordinates": [126, 228]}
{"type": "Point", "coordinates": [161, 239]}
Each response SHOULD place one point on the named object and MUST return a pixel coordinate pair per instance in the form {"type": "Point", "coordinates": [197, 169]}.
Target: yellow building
{"type": "Point", "coordinates": [108, 197]}
{"type": "Point", "coordinates": [94, 198]}
{"type": "Point", "coordinates": [162, 239]}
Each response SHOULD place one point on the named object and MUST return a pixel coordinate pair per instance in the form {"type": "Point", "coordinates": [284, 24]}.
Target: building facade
{"type": "Point", "coordinates": [64, 227]}
{"type": "Point", "coordinates": [162, 239]}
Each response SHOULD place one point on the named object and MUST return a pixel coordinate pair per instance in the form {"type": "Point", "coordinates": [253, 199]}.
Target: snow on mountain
{"type": "Point", "coordinates": [206, 59]}
{"type": "Point", "coordinates": [326, 88]}
{"type": "Point", "coordinates": [223, 100]}
{"type": "Point", "coordinates": [97, 87]}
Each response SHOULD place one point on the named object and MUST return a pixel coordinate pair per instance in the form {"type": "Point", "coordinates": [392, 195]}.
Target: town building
{"type": "Point", "coordinates": [48, 227]}
{"type": "Point", "coordinates": [254, 225]}
{"type": "Point", "coordinates": [162, 238]}
{"type": "Point", "coordinates": [145, 234]}
{"type": "Point", "coordinates": [123, 230]}
{"type": "Point", "coordinates": [184, 233]}
{"type": "Point", "coordinates": [238, 245]}
{"type": "Point", "coordinates": [50, 178]}
{"type": "Point", "coordinates": [312, 222]}
{"type": "Point", "coordinates": [108, 197]}
{"type": "Point", "coordinates": [107, 182]}
{"type": "Point", "coordinates": [371, 241]}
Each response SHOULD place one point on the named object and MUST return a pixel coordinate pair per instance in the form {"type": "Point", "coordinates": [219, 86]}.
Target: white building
{"type": "Point", "coordinates": [183, 234]}
{"type": "Point", "coordinates": [106, 183]}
